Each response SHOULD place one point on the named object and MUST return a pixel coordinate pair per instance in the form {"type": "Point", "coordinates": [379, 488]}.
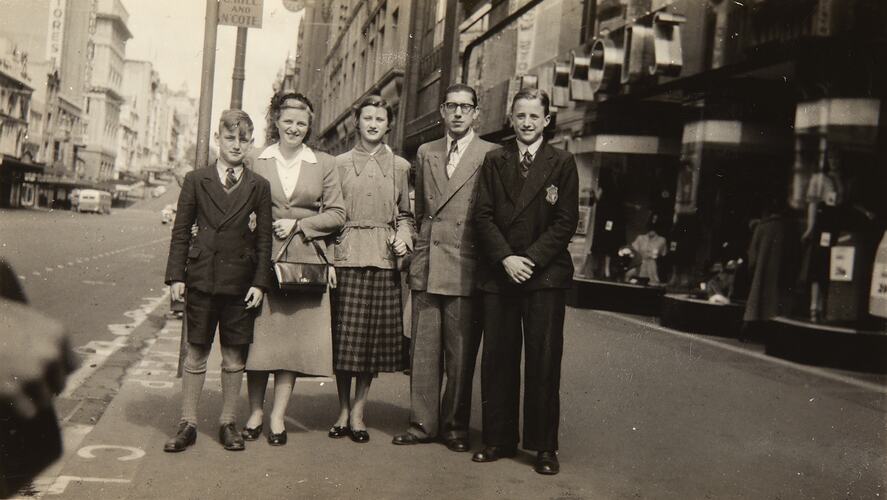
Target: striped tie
{"type": "Point", "coordinates": [451, 160]}
{"type": "Point", "coordinates": [230, 178]}
{"type": "Point", "coordinates": [525, 163]}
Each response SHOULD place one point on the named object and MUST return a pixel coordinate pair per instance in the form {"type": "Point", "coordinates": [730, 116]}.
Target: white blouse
{"type": "Point", "coordinates": [288, 170]}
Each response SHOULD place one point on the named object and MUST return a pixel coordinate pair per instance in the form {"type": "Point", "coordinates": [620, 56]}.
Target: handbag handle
{"type": "Point", "coordinates": [286, 244]}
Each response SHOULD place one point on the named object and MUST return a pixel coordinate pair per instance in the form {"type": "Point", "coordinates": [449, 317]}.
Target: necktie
{"type": "Point", "coordinates": [230, 178]}
{"type": "Point", "coordinates": [525, 163]}
{"type": "Point", "coordinates": [451, 159]}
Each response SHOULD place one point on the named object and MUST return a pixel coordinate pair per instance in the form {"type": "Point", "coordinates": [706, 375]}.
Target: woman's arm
{"type": "Point", "coordinates": [332, 215]}
{"type": "Point", "coordinates": [404, 221]}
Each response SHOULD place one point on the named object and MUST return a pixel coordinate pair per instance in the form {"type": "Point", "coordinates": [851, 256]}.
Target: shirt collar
{"type": "Point", "coordinates": [361, 156]}
{"type": "Point", "coordinates": [463, 142]}
{"type": "Point", "coordinates": [533, 148]}
{"type": "Point", "coordinates": [273, 152]}
{"type": "Point", "coordinates": [222, 168]}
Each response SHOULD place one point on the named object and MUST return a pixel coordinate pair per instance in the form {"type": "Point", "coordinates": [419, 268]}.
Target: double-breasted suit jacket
{"type": "Point", "coordinates": [535, 218]}
{"type": "Point", "coordinates": [537, 222]}
{"type": "Point", "coordinates": [445, 256]}
{"type": "Point", "coordinates": [232, 250]}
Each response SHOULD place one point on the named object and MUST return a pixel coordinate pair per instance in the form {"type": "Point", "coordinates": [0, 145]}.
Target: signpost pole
{"type": "Point", "coordinates": [206, 82]}
{"type": "Point", "coordinates": [239, 74]}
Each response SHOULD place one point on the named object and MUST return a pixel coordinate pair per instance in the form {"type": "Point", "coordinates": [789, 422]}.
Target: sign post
{"type": "Point", "coordinates": [243, 14]}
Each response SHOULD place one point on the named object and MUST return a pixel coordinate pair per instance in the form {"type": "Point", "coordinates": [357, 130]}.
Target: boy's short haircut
{"type": "Point", "coordinates": [236, 119]}
{"type": "Point", "coordinates": [532, 94]}
{"type": "Point", "coordinates": [461, 87]}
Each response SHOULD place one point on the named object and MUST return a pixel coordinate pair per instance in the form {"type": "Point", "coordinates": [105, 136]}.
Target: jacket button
{"type": "Point", "coordinates": [430, 217]}
{"type": "Point", "coordinates": [436, 243]}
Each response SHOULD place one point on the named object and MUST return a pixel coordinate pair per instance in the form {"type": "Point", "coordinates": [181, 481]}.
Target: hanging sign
{"type": "Point", "coordinates": [241, 13]}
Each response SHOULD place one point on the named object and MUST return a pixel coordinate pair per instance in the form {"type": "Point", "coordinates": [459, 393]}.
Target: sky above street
{"type": "Point", "coordinates": [169, 33]}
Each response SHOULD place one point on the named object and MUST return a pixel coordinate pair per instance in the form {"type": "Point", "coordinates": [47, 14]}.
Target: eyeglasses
{"type": "Point", "coordinates": [452, 106]}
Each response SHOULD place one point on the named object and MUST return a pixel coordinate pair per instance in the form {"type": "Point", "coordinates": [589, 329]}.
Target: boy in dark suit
{"type": "Point", "coordinates": [225, 270]}
{"type": "Point", "coordinates": [527, 211]}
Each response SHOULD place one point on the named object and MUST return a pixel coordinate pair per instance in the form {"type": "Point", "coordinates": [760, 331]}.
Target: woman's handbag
{"type": "Point", "coordinates": [300, 277]}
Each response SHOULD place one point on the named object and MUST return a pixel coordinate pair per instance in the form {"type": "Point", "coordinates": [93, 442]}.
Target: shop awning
{"type": "Point", "coordinates": [625, 144]}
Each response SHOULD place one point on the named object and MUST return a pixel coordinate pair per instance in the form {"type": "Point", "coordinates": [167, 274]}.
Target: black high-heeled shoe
{"type": "Point", "coordinates": [251, 434]}
{"type": "Point", "coordinates": [360, 436]}
{"type": "Point", "coordinates": [277, 439]}
{"type": "Point", "coordinates": [339, 431]}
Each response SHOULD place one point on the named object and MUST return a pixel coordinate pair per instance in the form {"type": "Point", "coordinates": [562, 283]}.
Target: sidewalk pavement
{"type": "Point", "coordinates": [122, 457]}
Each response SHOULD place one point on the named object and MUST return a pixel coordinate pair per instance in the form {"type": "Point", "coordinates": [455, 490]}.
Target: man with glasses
{"type": "Point", "coordinates": [446, 318]}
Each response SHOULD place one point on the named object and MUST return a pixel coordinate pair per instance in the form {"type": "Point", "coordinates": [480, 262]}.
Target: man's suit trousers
{"type": "Point", "coordinates": [541, 312]}
{"type": "Point", "coordinates": [446, 336]}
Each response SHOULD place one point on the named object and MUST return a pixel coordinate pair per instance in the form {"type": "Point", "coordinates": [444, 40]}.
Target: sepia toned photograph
{"type": "Point", "coordinates": [443, 249]}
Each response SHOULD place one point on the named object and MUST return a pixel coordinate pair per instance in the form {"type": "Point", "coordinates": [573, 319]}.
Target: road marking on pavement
{"type": "Point", "coordinates": [811, 370]}
{"type": "Point", "coordinates": [153, 384]}
{"type": "Point", "coordinates": [102, 350]}
{"type": "Point", "coordinates": [133, 453]}
{"type": "Point", "coordinates": [36, 273]}
{"type": "Point", "coordinates": [61, 483]}
{"type": "Point", "coordinates": [49, 269]}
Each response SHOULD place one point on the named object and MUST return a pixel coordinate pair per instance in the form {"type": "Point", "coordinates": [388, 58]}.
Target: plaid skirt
{"type": "Point", "coordinates": [367, 320]}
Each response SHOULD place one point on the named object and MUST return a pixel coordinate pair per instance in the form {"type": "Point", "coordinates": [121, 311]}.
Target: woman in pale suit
{"type": "Point", "coordinates": [293, 333]}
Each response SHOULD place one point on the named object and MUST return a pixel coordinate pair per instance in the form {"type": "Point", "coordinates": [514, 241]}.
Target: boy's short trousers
{"type": "Point", "coordinates": [205, 311]}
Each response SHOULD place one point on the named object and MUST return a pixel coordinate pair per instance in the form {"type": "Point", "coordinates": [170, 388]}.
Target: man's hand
{"type": "Point", "coordinates": [177, 291]}
{"type": "Point", "coordinates": [283, 227]}
{"type": "Point", "coordinates": [519, 269]}
{"type": "Point", "coordinates": [332, 275]}
{"type": "Point", "coordinates": [194, 230]}
{"type": "Point", "coordinates": [35, 358]}
{"type": "Point", "coordinates": [254, 297]}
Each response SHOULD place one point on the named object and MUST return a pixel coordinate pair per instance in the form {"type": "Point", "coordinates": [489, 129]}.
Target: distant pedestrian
{"type": "Point", "coordinates": [225, 272]}
{"type": "Point", "coordinates": [446, 326]}
{"type": "Point", "coordinates": [293, 335]}
{"type": "Point", "coordinates": [527, 211]}
{"type": "Point", "coordinates": [367, 312]}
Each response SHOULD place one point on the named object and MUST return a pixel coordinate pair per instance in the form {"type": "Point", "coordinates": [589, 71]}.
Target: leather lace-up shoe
{"type": "Point", "coordinates": [547, 463]}
{"type": "Point", "coordinates": [251, 434]}
{"type": "Point", "coordinates": [230, 438]}
{"type": "Point", "coordinates": [457, 444]}
{"type": "Point", "coordinates": [185, 437]}
{"type": "Point", "coordinates": [493, 453]}
{"type": "Point", "coordinates": [407, 439]}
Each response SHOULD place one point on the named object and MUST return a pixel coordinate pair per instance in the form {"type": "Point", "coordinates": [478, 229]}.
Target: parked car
{"type": "Point", "coordinates": [167, 214]}
{"type": "Point", "coordinates": [93, 200]}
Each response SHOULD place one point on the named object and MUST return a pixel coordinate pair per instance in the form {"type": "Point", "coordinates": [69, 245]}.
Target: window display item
{"type": "Point", "coordinates": [878, 294]}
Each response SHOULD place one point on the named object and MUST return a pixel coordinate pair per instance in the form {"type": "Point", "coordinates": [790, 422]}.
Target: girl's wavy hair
{"type": "Point", "coordinates": [276, 107]}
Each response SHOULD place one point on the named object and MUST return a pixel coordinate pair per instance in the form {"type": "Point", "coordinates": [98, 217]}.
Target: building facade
{"type": "Point", "coordinates": [364, 54]}
{"type": "Point", "coordinates": [105, 99]}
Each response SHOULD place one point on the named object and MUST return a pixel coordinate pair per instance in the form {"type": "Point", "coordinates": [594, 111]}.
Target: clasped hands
{"type": "Point", "coordinates": [518, 268]}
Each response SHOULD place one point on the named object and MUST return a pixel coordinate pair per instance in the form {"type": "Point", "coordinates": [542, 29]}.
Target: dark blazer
{"type": "Point", "coordinates": [226, 257]}
{"type": "Point", "coordinates": [445, 256]}
{"type": "Point", "coordinates": [538, 222]}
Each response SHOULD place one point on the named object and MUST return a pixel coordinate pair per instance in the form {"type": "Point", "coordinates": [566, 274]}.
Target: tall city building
{"type": "Point", "coordinates": [105, 98]}
{"type": "Point", "coordinates": [363, 53]}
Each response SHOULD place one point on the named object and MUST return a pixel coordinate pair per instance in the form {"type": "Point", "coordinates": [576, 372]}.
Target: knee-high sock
{"type": "Point", "coordinates": [231, 382]}
{"type": "Point", "coordinates": [192, 386]}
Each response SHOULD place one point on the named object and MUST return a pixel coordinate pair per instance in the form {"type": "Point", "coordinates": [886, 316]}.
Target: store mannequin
{"type": "Point", "coordinates": [825, 194]}
{"type": "Point", "coordinates": [649, 246]}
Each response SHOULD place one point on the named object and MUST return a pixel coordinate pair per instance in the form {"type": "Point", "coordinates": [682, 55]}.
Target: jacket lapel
{"type": "Point", "coordinates": [438, 159]}
{"type": "Point", "coordinates": [241, 195]}
{"type": "Point", "coordinates": [307, 173]}
{"type": "Point", "coordinates": [508, 169]}
{"type": "Point", "coordinates": [541, 169]}
{"type": "Point", "coordinates": [214, 189]}
{"type": "Point", "coordinates": [467, 168]}
{"type": "Point", "coordinates": [267, 168]}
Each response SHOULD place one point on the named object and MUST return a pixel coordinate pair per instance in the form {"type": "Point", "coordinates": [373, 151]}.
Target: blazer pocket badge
{"type": "Point", "coordinates": [252, 222]}
{"type": "Point", "coordinates": [551, 194]}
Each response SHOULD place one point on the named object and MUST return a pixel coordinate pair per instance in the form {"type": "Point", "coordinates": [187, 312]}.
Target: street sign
{"type": "Point", "coordinates": [295, 5]}
{"type": "Point", "coordinates": [243, 13]}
